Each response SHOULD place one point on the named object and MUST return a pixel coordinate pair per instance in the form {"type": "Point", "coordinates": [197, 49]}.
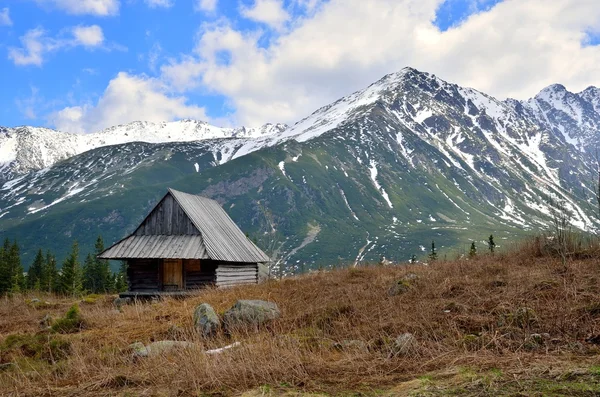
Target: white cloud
{"type": "Point", "coordinates": [127, 98]}
{"type": "Point", "coordinates": [88, 36]}
{"type": "Point", "coordinates": [160, 3]}
{"type": "Point", "coordinates": [36, 43]}
{"type": "Point", "coordinates": [5, 17]}
{"type": "Point", "coordinates": [512, 49]}
{"type": "Point", "coordinates": [84, 7]}
{"type": "Point", "coordinates": [269, 12]}
{"type": "Point", "coordinates": [205, 5]}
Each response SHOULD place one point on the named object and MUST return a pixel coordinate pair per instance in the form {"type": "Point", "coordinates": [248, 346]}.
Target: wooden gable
{"type": "Point", "coordinates": [167, 218]}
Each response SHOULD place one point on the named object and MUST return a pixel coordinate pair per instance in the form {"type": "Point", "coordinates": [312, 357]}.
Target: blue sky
{"type": "Point", "coordinates": [83, 65]}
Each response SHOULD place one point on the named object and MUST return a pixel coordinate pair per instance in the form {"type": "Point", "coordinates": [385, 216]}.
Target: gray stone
{"type": "Point", "coordinates": [120, 302]}
{"type": "Point", "coordinates": [351, 345]}
{"type": "Point", "coordinates": [139, 350]}
{"type": "Point", "coordinates": [405, 345]}
{"type": "Point", "coordinates": [158, 348]}
{"type": "Point", "coordinates": [46, 321]}
{"type": "Point", "coordinates": [35, 300]}
{"type": "Point", "coordinates": [206, 321]}
{"type": "Point", "coordinates": [250, 314]}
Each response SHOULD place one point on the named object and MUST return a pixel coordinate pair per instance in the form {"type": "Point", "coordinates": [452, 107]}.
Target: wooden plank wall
{"type": "Point", "coordinates": [167, 219]}
{"type": "Point", "coordinates": [142, 275]}
{"type": "Point", "coordinates": [199, 273]}
{"type": "Point", "coordinates": [229, 274]}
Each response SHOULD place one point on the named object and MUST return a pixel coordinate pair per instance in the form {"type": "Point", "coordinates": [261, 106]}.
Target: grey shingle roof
{"type": "Point", "coordinates": [220, 238]}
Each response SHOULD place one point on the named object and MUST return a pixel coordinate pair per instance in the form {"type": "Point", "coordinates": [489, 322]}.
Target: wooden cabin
{"type": "Point", "coordinates": [185, 243]}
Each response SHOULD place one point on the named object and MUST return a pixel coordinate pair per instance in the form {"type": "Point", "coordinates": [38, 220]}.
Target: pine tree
{"type": "Point", "coordinates": [491, 244]}
{"type": "Point", "coordinates": [105, 277]}
{"type": "Point", "coordinates": [15, 270]}
{"type": "Point", "coordinates": [4, 270]}
{"type": "Point", "coordinates": [50, 280]}
{"type": "Point", "coordinates": [121, 278]}
{"type": "Point", "coordinates": [90, 274]}
{"type": "Point", "coordinates": [36, 270]}
{"type": "Point", "coordinates": [473, 250]}
{"type": "Point", "coordinates": [70, 279]}
{"type": "Point", "coordinates": [413, 258]}
{"type": "Point", "coordinates": [433, 253]}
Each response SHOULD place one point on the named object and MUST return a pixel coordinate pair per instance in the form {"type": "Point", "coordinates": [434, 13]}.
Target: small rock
{"type": "Point", "coordinates": [139, 350]}
{"type": "Point", "coordinates": [120, 302]}
{"type": "Point", "coordinates": [525, 317]}
{"type": "Point", "coordinates": [250, 313]}
{"type": "Point", "coordinates": [399, 288]}
{"type": "Point", "coordinates": [410, 276]}
{"type": "Point", "coordinates": [157, 348]}
{"type": "Point", "coordinates": [46, 321]}
{"type": "Point", "coordinates": [206, 320]}
{"type": "Point", "coordinates": [405, 345]}
{"type": "Point", "coordinates": [35, 300]}
{"type": "Point", "coordinates": [351, 345]}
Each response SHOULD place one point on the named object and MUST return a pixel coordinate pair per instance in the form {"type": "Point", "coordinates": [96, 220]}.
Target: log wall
{"type": "Point", "coordinates": [228, 274]}
{"type": "Point", "coordinates": [143, 275]}
{"type": "Point", "coordinates": [199, 273]}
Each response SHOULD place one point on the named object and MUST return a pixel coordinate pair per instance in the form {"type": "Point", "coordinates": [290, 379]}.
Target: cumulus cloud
{"type": "Point", "coordinates": [127, 98]}
{"type": "Point", "coordinates": [160, 3]}
{"type": "Point", "coordinates": [84, 7]}
{"type": "Point", "coordinates": [205, 5]}
{"type": "Point", "coordinates": [512, 49]}
{"type": "Point", "coordinates": [88, 36]}
{"type": "Point", "coordinates": [36, 43]}
{"type": "Point", "coordinates": [269, 12]}
{"type": "Point", "coordinates": [5, 17]}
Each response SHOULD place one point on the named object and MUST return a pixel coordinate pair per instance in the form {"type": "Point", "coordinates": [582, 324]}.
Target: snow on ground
{"type": "Point", "coordinates": [373, 171]}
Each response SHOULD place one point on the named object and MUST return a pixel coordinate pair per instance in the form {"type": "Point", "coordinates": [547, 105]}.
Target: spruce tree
{"type": "Point", "coordinates": [121, 278]}
{"type": "Point", "coordinates": [433, 253]}
{"type": "Point", "coordinates": [36, 270]}
{"type": "Point", "coordinates": [15, 270]}
{"type": "Point", "coordinates": [105, 277]}
{"type": "Point", "coordinates": [70, 279]}
{"type": "Point", "coordinates": [473, 250]}
{"type": "Point", "coordinates": [491, 244]}
{"type": "Point", "coordinates": [50, 278]}
{"type": "Point", "coordinates": [4, 270]}
{"type": "Point", "coordinates": [413, 258]}
{"type": "Point", "coordinates": [90, 274]}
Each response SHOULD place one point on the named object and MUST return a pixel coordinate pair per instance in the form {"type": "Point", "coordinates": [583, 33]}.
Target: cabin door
{"type": "Point", "coordinates": [172, 275]}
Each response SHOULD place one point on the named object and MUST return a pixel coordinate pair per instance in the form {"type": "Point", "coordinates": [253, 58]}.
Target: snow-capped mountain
{"type": "Point", "coordinates": [25, 149]}
{"type": "Point", "coordinates": [380, 172]}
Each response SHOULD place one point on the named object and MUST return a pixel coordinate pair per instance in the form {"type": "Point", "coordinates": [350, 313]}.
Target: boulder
{"type": "Point", "coordinates": [120, 302]}
{"type": "Point", "coordinates": [351, 345]}
{"type": "Point", "coordinates": [206, 321]}
{"type": "Point", "coordinates": [250, 314]}
{"type": "Point", "coordinates": [158, 348]}
{"type": "Point", "coordinates": [405, 345]}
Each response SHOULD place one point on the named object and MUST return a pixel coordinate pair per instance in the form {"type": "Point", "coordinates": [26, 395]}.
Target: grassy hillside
{"type": "Point", "coordinates": [516, 323]}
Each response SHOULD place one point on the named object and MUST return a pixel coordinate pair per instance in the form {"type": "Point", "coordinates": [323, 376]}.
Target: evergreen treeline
{"type": "Point", "coordinates": [73, 278]}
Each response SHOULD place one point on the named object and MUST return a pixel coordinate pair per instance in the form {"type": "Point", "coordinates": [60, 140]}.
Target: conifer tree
{"type": "Point", "coordinates": [4, 270]}
{"type": "Point", "coordinates": [433, 253]}
{"type": "Point", "coordinates": [50, 278]}
{"type": "Point", "coordinates": [413, 258]}
{"type": "Point", "coordinates": [473, 250]}
{"type": "Point", "coordinates": [15, 270]}
{"type": "Point", "coordinates": [90, 274]}
{"type": "Point", "coordinates": [491, 244]}
{"type": "Point", "coordinates": [105, 276]}
{"type": "Point", "coordinates": [70, 279]}
{"type": "Point", "coordinates": [121, 278]}
{"type": "Point", "coordinates": [36, 270]}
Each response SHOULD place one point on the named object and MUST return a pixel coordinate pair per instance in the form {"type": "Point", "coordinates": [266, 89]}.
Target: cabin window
{"type": "Point", "coordinates": [192, 265]}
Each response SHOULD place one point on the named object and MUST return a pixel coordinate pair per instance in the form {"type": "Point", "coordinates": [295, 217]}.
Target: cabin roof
{"type": "Point", "coordinates": [220, 238]}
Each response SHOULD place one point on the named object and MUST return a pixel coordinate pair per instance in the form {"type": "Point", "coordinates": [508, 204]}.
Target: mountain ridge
{"type": "Point", "coordinates": [377, 173]}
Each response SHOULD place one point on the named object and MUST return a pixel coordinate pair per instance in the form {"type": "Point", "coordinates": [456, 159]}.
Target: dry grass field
{"type": "Point", "coordinates": [515, 323]}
